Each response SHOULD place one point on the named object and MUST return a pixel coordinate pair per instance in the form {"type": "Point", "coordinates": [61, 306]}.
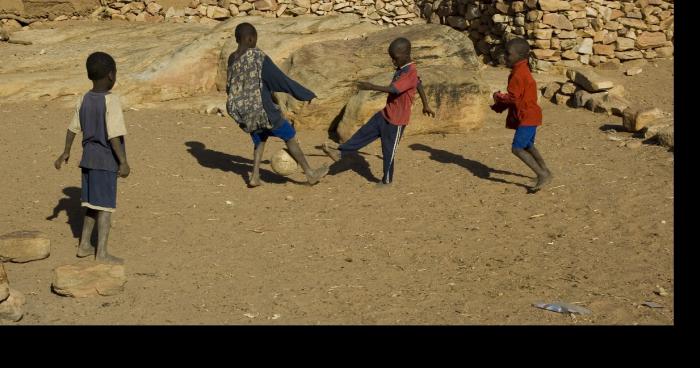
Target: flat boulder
{"type": "Point", "coordinates": [589, 80]}
{"type": "Point", "coordinates": [24, 246]}
{"type": "Point", "coordinates": [86, 279]}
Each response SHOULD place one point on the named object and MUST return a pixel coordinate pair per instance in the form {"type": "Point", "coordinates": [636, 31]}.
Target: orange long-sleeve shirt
{"type": "Point", "coordinates": [521, 99]}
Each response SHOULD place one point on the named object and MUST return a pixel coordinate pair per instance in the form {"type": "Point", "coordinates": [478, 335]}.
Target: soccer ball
{"type": "Point", "coordinates": [283, 163]}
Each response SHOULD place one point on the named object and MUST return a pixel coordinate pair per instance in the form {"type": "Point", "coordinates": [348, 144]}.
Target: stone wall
{"type": "Point", "coordinates": [569, 32]}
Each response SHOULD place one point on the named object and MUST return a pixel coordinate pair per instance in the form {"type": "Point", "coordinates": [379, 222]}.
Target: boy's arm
{"type": "Point", "coordinates": [116, 130]}
{"type": "Point", "coordinates": [63, 158]}
{"type": "Point", "coordinates": [366, 86]}
{"type": "Point", "coordinates": [515, 89]}
{"type": "Point", "coordinates": [426, 107]}
{"type": "Point", "coordinates": [277, 81]}
{"type": "Point", "coordinates": [118, 148]}
{"type": "Point", "coordinates": [73, 129]}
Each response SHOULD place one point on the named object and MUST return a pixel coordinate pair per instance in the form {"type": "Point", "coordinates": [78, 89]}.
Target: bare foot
{"type": "Point", "coordinates": [333, 153]}
{"type": "Point", "coordinates": [108, 258]}
{"type": "Point", "coordinates": [317, 174]}
{"type": "Point", "coordinates": [542, 181]}
{"type": "Point", "coordinates": [85, 250]}
{"type": "Point", "coordinates": [254, 182]}
{"type": "Point", "coordinates": [382, 185]}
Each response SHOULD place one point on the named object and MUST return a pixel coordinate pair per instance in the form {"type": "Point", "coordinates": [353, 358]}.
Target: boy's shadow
{"type": "Point", "coordinates": [476, 168]}
{"type": "Point", "coordinates": [71, 204]}
{"type": "Point", "coordinates": [227, 162]}
{"type": "Point", "coordinates": [355, 162]}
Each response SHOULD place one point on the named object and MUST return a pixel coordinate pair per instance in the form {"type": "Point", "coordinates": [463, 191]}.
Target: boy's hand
{"type": "Point", "coordinates": [428, 112]}
{"type": "Point", "coordinates": [124, 170]}
{"type": "Point", "coordinates": [496, 96]}
{"type": "Point", "coordinates": [63, 158]}
{"type": "Point", "coordinates": [364, 86]}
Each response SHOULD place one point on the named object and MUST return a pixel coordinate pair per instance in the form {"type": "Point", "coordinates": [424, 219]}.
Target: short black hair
{"type": "Point", "coordinates": [99, 65]}
{"type": "Point", "coordinates": [401, 46]}
{"type": "Point", "coordinates": [520, 46]}
{"type": "Point", "coordinates": [244, 30]}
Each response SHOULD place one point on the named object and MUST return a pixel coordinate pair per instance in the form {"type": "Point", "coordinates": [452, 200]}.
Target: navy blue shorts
{"type": "Point", "coordinates": [99, 190]}
{"type": "Point", "coordinates": [524, 137]}
{"type": "Point", "coordinates": [285, 132]}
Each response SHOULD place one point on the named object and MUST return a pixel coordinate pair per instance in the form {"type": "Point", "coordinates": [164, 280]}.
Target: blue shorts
{"type": "Point", "coordinates": [524, 137]}
{"type": "Point", "coordinates": [285, 132]}
{"type": "Point", "coordinates": [99, 190]}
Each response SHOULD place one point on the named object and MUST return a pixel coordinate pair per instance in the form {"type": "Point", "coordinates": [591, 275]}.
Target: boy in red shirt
{"type": "Point", "coordinates": [388, 124]}
{"type": "Point", "coordinates": [524, 115]}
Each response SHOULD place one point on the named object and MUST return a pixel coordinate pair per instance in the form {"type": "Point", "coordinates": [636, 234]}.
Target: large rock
{"type": "Point", "coordinates": [88, 279]}
{"type": "Point", "coordinates": [12, 6]}
{"type": "Point", "coordinates": [12, 308]}
{"type": "Point", "coordinates": [665, 137]}
{"type": "Point", "coordinates": [4, 284]}
{"type": "Point", "coordinates": [183, 63]}
{"type": "Point", "coordinates": [189, 59]}
{"type": "Point", "coordinates": [54, 8]}
{"type": "Point", "coordinates": [280, 37]}
{"type": "Point", "coordinates": [24, 246]}
{"type": "Point", "coordinates": [446, 62]}
{"type": "Point", "coordinates": [582, 97]}
{"type": "Point", "coordinates": [588, 80]}
{"type": "Point", "coordinates": [609, 104]}
{"type": "Point", "coordinates": [653, 129]}
{"type": "Point", "coordinates": [550, 89]}
{"type": "Point", "coordinates": [635, 120]}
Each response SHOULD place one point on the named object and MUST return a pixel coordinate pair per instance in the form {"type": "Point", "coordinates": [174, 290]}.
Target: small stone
{"type": "Point", "coordinates": [561, 99]}
{"type": "Point", "coordinates": [289, 198]}
{"type": "Point", "coordinates": [634, 144]}
{"type": "Point", "coordinates": [4, 284]}
{"type": "Point", "coordinates": [661, 291]}
{"type": "Point", "coordinates": [633, 71]}
{"type": "Point", "coordinates": [568, 88]}
{"type": "Point", "coordinates": [551, 89]}
{"type": "Point", "coordinates": [12, 308]}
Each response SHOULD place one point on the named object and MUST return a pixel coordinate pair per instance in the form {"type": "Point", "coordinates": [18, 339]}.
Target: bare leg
{"type": "Point", "coordinates": [257, 154]}
{"type": "Point", "coordinates": [313, 176]}
{"type": "Point", "coordinates": [103, 225]}
{"type": "Point", "coordinates": [540, 161]}
{"type": "Point", "coordinates": [85, 248]}
{"type": "Point", "coordinates": [531, 162]}
{"type": "Point", "coordinates": [543, 180]}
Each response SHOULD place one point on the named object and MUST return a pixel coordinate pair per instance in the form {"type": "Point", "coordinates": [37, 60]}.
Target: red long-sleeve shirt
{"type": "Point", "coordinates": [521, 99]}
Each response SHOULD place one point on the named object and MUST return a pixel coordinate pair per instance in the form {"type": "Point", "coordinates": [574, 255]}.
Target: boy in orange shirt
{"type": "Point", "coordinates": [524, 115]}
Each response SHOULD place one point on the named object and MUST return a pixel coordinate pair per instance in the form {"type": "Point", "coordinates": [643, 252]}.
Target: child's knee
{"type": "Point", "coordinates": [516, 151]}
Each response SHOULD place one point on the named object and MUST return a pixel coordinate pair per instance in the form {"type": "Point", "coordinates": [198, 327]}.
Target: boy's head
{"type": "Point", "coordinates": [101, 68]}
{"type": "Point", "coordinates": [246, 35]}
{"type": "Point", "coordinates": [517, 49]}
{"type": "Point", "coordinates": [400, 52]}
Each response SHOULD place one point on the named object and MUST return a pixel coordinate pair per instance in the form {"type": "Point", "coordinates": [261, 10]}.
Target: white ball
{"type": "Point", "coordinates": [283, 163]}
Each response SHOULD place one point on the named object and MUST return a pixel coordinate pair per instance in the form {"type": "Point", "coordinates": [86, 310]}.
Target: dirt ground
{"type": "Point", "coordinates": [457, 240]}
